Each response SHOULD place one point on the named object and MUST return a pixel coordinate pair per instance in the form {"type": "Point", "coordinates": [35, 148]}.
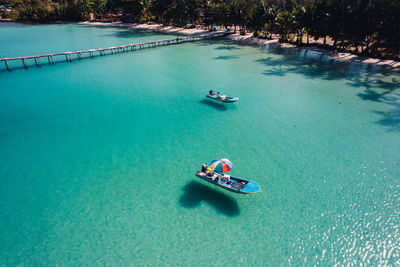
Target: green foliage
{"type": "Point", "coordinates": [257, 34]}
{"type": "Point", "coordinates": [372, 24]}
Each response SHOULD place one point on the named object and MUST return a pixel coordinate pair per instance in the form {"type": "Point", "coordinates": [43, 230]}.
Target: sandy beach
{"type": "Point", "coordinates": [148, 27]}
{"type": "Point", "coordinates": [247, 39]}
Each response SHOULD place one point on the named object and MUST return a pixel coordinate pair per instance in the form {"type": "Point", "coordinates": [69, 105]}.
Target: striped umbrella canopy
{"type": "Point", "coordinates": [221, 165]}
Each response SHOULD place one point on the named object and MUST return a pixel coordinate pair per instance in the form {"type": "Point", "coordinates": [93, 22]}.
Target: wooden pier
{"type": "Point", "coordinates": [69, 56]}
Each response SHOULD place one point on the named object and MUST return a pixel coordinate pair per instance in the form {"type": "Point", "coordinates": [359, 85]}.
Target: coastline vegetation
{"type": "Point", "coordinates": [368, 27]}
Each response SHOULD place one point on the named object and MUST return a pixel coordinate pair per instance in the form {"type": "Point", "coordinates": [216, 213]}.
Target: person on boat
{"type": "Point", "coordinates": [204, 167]}
{"type": "Point", "coordinates": [209, 172]}
{"type": "Point", "coordinates": [223, 97]}
{"type": "Point", "coordinates": [225, 179]}
{"type": "Point", "coordinates": [211, 92]}
{"type": "Point", "coordinates": [216, 177]}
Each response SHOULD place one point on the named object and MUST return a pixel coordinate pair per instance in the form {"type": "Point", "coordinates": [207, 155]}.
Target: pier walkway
{"type": "Point", "coordinates": [108, 50]}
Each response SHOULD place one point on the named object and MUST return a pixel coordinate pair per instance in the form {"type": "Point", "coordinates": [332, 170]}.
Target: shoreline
{"type": "Point", "coordinates": [249, 39]}
{"type": "Point", "coordinates": [342, 56]}
{"type": "Point", "coordinates": [147, 27]}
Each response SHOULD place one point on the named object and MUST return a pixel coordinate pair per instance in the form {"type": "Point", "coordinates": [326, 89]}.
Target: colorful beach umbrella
{"type": "Point", "coordinates": [221, 165]}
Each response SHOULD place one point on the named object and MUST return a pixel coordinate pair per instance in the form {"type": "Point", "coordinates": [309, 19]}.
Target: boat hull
{"type": "Point", "coordinates": [237, 185]}
{"type": "Point", "coordinates": [228, 99]}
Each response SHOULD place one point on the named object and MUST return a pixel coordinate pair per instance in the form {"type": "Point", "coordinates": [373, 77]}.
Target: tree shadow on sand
{"type": "Point", "coordinates": [127, 32]}
{"type": "Point", "coordinates": [390, 118]}
{"type": "Point", "coordinates": [381, 87]}
{"type": "Point", "coordinates": [227, 47]}
{"type": "Point", "coordinates": [226, 57]}
{"type": "Point", "coordinates": [304, 63]}
{"type": "Point", "coordinates": [375, 83]}
{"type": "Point", "coordinates": [221, 42]}
{"type": "Point", "coordinates": [195, 193]}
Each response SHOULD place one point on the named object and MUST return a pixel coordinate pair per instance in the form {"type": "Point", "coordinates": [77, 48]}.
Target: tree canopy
{"type": "Point", "coordinates": [369, 24]}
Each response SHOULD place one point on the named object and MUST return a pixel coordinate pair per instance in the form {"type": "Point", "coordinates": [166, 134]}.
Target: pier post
{"type": "Point", "coordinates": [48, 57]}
{"type": "Point", "coordinates": [24, 62]}
{"type": "Point", "coordinates": [70, 58]}
{"type": "Point", "coordinates": [52, 59]}
{"type": "Point", "coordinates": [66, 57]}
{"type": "Point", "coordinates": [7, 66]}
{"type": "Point", "coordinates": [38, 59]}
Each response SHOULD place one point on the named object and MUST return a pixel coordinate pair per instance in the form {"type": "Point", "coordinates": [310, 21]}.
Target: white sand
{"type": "Point", "coordinates": [247, 39]}
{"type": "Point", "coordinates": [149, 27]}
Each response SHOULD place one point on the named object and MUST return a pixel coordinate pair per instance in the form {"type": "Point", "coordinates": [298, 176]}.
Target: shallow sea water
{"type": "Point", "coordinates": [98, 156]}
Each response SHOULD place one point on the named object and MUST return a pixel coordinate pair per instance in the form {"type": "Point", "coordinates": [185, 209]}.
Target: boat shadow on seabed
{"type": "Point", "coordinates": [196, 192]}
{"type": "Point", "coordinates": [210, 103]}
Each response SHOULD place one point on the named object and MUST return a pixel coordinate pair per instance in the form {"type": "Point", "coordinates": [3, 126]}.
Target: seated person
{"type": "Point", "coordinates": [223, 97]}
{"type": "Point", "coordinates": [225, 179]}
{"type": "Point", "coordinates": [204, 167]}
{"type": "Point", "coordinates": [211, 92]}
{"type": "Point", "coordinates": [217, 177]}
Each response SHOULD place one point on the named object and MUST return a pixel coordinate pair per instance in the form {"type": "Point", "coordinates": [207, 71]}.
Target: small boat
{"type": "Point", "coordinates": [236, 185]}
{"type": "Point", "coordinates": [222, 98]}
{"type": "Point", "coordinates": [214, 173]}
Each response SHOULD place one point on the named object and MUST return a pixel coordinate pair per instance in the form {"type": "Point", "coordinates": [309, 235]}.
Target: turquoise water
{"type": "Point", "coordinates": [98, 156]}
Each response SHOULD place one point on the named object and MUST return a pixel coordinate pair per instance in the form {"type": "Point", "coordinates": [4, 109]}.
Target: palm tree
{"type": "Point", "coordinates": [299, 17]}
{"type": "Point", "coordinates": [284, 24]}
